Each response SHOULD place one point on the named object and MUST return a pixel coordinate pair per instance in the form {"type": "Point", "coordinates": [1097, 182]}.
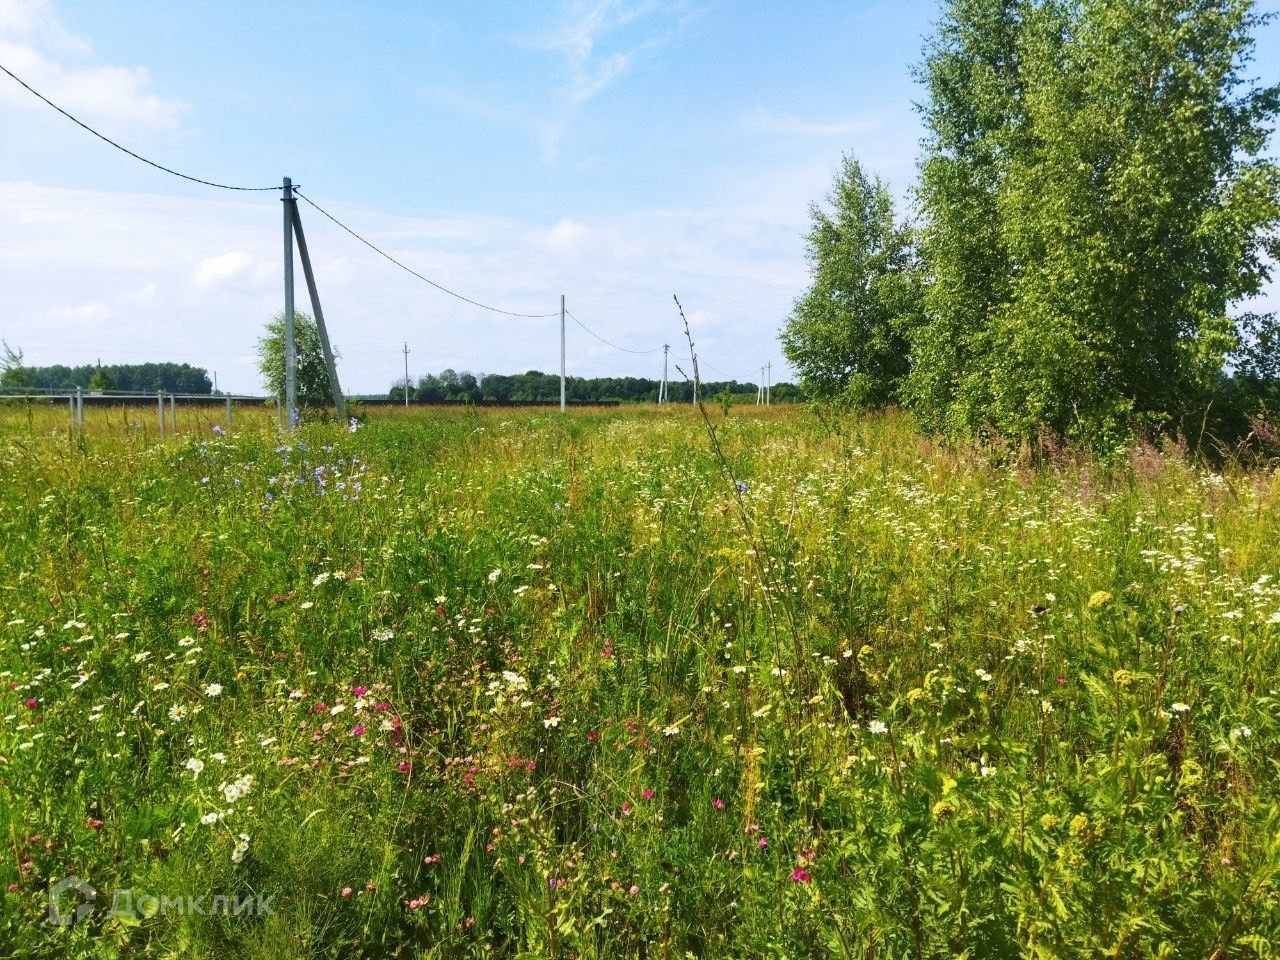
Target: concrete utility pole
{"type": "Point", "coordinates": [330, 366]}
{"type": "Point", "coordinates": [768, 384]}
{"type": "Point", "coordinates": [662, 393]}
{"type": "Point", "coordinates": [406, 374]}
{"type": "Point", "coordinates": [290, 347]}
{"type": "Point", "coordinates": [562, 353]}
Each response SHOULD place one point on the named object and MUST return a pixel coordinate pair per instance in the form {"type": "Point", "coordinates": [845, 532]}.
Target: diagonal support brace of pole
{"type": "Point", "coordinates": [330, 366]}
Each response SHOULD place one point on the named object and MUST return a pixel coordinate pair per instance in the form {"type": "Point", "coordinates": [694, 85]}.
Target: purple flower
{"type": "Point", "coordinates": [218, 430]}
{"type": "Point", "coordinates": [742, 487]}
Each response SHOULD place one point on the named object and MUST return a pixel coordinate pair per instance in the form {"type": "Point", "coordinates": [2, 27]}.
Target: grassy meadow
{"type": "Point", "coordinates": [512, 684]}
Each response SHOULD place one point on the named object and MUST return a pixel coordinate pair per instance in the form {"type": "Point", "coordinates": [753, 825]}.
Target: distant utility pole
{"type": "Point", "coordinates": [768, 385]}
{"type": "Point", "coordinates": [760, 389]}
{"type": "Point", "coordinates": [662, 391]}
{"type": "Point", "coordinates": [406, 374]}
{"type": "Point", "coordinates": [562, 353]}
{"type": "Point", "coordinates": [215, 381]}
{"type": "Point", "coordinates": [290, 347]}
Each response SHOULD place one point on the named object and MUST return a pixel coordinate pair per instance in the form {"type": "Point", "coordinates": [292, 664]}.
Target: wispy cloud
{"type": "Point", "coordinates": [36, 47]}
{"type": "Point", "coordinates": [781, 123]}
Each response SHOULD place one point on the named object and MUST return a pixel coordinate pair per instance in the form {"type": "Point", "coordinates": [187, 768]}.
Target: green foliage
{"type": "Point", "coordinates": [101, 379]}
{"type": "Point", "coordinates": [312, 376]}
{"type": "Point", "coordinates": [534, 387]}
{"type": "Point", "coordinates": [847, 336]}
{"type": "Point", "coordinates": [1097, 198]}
{"type": "Point", "coordinates": [135, 378]}
{"type": "Point", "coordinates": [13, 369]}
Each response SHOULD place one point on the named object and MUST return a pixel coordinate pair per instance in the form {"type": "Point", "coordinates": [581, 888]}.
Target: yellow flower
{"type": "Point", "coordinates": [1099, 598]}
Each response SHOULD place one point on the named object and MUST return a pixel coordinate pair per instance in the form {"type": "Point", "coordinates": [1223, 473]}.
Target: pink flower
{"type": "Point", "coordinates": [718, 803]}
{"type": "Point", "coordinates": [762, 843]}
{"type": "Point", "coordinates": [357, 730]}
{"type": "Point", "coordinates": [626, 806]}
{"type": "Point", "coordinates": [648, 794]}
{"type": "Point", "coordinates": [359, 691]}
{"type": "Point", "coordinates": [634, 890]}
{"type": "Point", "coordinates": [32, 703]}
{"type": "Point", "coordinates": [799, 875]}
{"type": "Point", "coordinates": [346, 891]}
{"type": "Point", "coordinates": [404, 766]}
{"type": "Point", "coordinates": [320, 708]}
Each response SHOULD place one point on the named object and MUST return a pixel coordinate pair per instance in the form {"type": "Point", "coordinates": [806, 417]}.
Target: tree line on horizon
{"type": "Point", "coordinates": [1095, 207]}
{"type": "Point", "coordinates": [15, 375]}
{"type": "Point", "coordinates": [450, 386]}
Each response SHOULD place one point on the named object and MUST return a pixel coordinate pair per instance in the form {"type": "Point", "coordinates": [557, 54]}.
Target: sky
{"type": "Point", "coordinates": [613, 151]}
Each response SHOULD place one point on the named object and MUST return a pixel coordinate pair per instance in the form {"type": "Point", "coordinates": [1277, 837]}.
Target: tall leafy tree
{"type": "Point", "coordinates": [1129, 205]}
{"type": "Point", "coordinates": [972, 75]}
{"type": "Point", "coordinates": [312, 375]}
{"type": "Point", "coordinates": [847, 335]}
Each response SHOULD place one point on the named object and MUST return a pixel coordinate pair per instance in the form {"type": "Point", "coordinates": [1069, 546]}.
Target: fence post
{"type": "Point", "coordinates": [71, 412]}
{"type": "Point", "coordinates": [80, 408]}
{"type": "Point", "coordinates": [279, 414]}
{"type": "Point", "coordinates": [173, 409]}
{"type": "Point", "coordinates": [160, 410]}
{"type": "Point", "coordinates": [228, 411]}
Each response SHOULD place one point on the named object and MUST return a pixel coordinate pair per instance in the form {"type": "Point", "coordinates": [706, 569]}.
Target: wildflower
{"type": "Point", "coordinates": [359, 691]}
{"type": "Point", "coordinates": [242, 847]}
{"type": "Point", "coordinates": [495, 574]}
{"type": "Point", "coordinates": [195, 765]}
{"type": "Point", "coordinates": [352, 427]}
{"type": "Point", "coordinates": [218, 430]}
{"type": "Point", "coordinates": [357, 730]}
{"type": "Point", "coordinates": [1241, 732]}
{"type": "Point", "coordinates": [1180, 707]}
{"type": "Point", "coordinates": [717, 803]}
{"type": "Point", "coordinates": [551, 722]}
{"type": "Point", "coordinates": [762, 843]}
{"type": "Point", "coordinates": [982, 675]}
{"type": "Point", "coordinates": [31, 703]}
{"type": "Point", "coordinates": [1099, 598]}
{"type": "Point", "coordinates": [878, 726]}
{"type": "Point", "coordinates": [209, 818]}
{"type": "Point", "coordinates": [633, 891]}
{"type": "Point", "coordinates": [177, 712]}
{"type": "Point", "coordinates": [213, 690]}
{"type": "Point", "coordinates": [648, 794]}
{"type": "Point", "coordinates": [1046, 706]}
{"type": "Point", "coordinates": [741, 487]}
{"type": "Point", "coordinates": [670, 731]}
{"type": "Point", "coordinates": [800, 875]}
{"type": "Point", "coordinates": [346, 891]}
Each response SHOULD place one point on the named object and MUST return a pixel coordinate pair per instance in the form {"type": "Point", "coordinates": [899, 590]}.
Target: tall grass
{"type": "Point", "coordinates": [510, 684]}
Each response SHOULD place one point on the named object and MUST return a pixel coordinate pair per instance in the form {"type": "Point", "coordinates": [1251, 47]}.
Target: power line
{"type": "Point", "coordinates": [103, 137]}
{"type": "Point", "coordinates": [407, 269]}
{"type": "Point", "coordinates": [608, 342]}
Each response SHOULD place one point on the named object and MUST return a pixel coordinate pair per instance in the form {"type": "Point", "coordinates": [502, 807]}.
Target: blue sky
{"type": "Point", "coordinates": [618, 151]}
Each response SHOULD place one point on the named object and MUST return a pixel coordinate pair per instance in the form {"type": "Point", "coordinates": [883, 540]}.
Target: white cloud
{"type": "Point", "coordinates": [736, 273]}
{"type": "Point", "coordinates": [83, 313]}
{"type": "Point", "coordinates": [223, 267]}
{"type": "Point", "coordinates": [35, 46]}
{"type": "Point", "coordinates": [764, 120]}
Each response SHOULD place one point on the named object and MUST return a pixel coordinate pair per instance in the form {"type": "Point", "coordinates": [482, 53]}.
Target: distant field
{"type": "Point", "coordinates": [506, 683]}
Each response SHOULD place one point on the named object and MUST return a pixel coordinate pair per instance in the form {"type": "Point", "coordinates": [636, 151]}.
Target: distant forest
{"type": "Point", "coordinates": [129, 377]}
{"type": "Point", "coordinates": [450, 386]}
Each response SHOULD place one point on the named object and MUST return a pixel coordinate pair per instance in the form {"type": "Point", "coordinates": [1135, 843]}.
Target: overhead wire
{"type": "Point", "coordinates": [297, 192]}
{"type": "Point", "coordinates": [408, 269]}
{"type": "Point", "coordinates": [608, 342]}
{"type": "Point", "coordinates": [124, 149]}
